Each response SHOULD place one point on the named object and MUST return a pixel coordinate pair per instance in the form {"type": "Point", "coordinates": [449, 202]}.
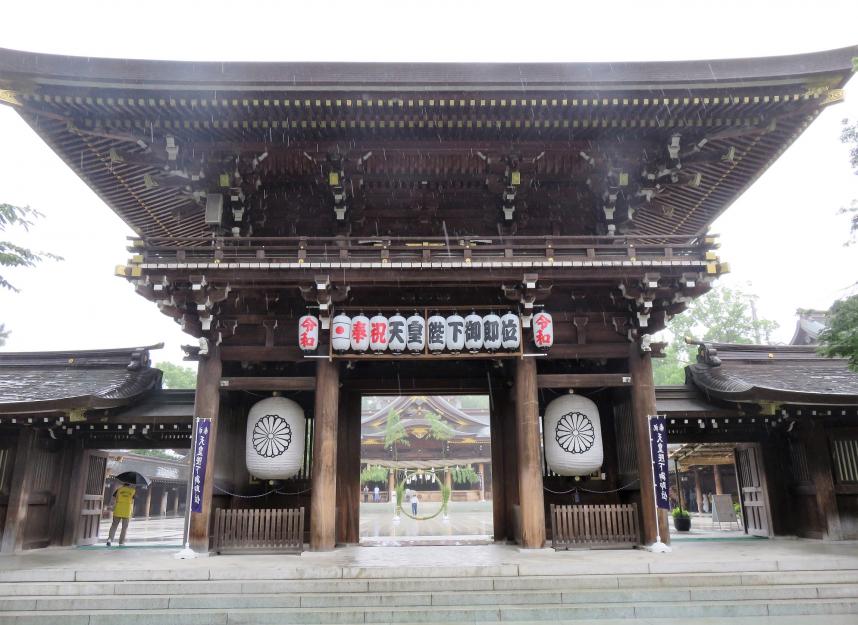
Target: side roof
{"type": "Point", "coordinates": [61, 381]}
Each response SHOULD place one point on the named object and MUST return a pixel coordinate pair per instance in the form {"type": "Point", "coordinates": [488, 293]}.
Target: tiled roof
{"type": "Point", "coordinates": [56, 381]}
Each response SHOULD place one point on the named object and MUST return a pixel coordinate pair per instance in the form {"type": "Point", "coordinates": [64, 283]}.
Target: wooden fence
{"type": "Point", "coordinates": [587, 527]}
{"type": "Point", "coordinates": [259, 531]}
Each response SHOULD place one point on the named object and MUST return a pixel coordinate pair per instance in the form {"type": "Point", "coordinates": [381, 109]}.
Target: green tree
{"type": "Point", "coordinates": [439, 430]}
{"type": "Point", "coordinates": [177, 376]}
{"type": "Point", "coordinates": [723, 315]}
{"type": "Point", "coordinates": [840, 337]}
{"type": "Point", "coordinates": [12, 255]}
{"type": "Point", "coordinates": [849, 135]}
{"type": "Point", "coordinates": [373, 474]}
{"type": "Point", "coordinates": [395, 434]}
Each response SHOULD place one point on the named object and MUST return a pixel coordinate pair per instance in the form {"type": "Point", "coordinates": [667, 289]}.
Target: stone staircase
{"type": "Point", "coordinates": [470, 594]}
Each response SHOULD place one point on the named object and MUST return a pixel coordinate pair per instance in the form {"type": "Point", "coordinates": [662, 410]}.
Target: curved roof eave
{"type": "Point", "coordinates": [170, 75]}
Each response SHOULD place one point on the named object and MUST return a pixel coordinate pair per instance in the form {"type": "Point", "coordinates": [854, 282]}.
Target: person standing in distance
{"type": "Point", "coordinates": [122, 508]}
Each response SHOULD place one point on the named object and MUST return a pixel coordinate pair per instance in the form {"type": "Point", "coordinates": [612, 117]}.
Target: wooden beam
{"type": "Point", "coordinates": [206, 405]}
{"type": "Point", "coordinates": [583, 380]}
{"type": "Point", "coordinates": [420, 385]}
{"type": "Point", "coordinates": [252, 353]}
{"type": "Point", "coordinates": [268, 384]}
{"type": "Point", "coordinates": [323, 496]}
{"type": "Point", "coordinates": [643, 406]}
{"type": "Point", "coordinates": [529, 456]}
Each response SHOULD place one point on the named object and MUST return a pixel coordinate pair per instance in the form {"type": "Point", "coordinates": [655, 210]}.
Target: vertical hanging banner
{"type": "Point", "coordinates": [201, 452]}
{"type": "Point", "coordinates": [658, 445]}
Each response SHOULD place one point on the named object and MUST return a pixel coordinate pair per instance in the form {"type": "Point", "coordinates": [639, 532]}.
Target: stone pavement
{"type": "Point", "coordinates": [147, 532]}
{"type": "Point", "coordinates": [468, 522]}
{"type": "Point", "coordinates": [701, 557]}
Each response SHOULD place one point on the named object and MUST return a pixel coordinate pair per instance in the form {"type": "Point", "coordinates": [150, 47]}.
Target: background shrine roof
{"type": "Point", "coordinates": [110, 120]}
{"type": "Point", "coordinates": [412, 410]}
{"type": "Point", "coordinates": [774, 373]}
{"type": "Point", "coordinates": [32, 382]}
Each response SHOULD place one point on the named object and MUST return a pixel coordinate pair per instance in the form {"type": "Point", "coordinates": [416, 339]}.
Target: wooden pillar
{"type": "Point", "coordinates": [496, 430]}
{"type": "Point", "coordinates": [19, 494]}
{"type": "Point", "coordinates": [529, 456]}
{"type": "Point", "coordinates": [391, 485]}
{"type": "Point", "coordinates": [147, 503]}
{"type": "Point", "coordinates": [175, 502]}
{"type": "Point", "coordinates": [716, 471]}
{"type": "Point", "coordinates": [481, 471]}
{"type": "Point", "coordinates": [698, 490]}
{"type": "Point", "coordinates": [819, 464]}
{"type": "Point", "coordinates": [510, 451]}
{"type": "Point", "coordinates": [643, 406]}
{"type": "Point", "coordinates": [206, 405]}
{"type": "Point", "coordinates": [162, 509]}
{"type": "Point", "coordinates": [348, 469]}
{"type": "Point", "coordinates": [324, 485]}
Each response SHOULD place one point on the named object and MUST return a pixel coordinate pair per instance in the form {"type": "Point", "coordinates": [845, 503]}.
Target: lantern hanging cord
{"type": "Point", "coordinates": [270, 492]}
{"type": "Point", "coordinates": [587, 490]}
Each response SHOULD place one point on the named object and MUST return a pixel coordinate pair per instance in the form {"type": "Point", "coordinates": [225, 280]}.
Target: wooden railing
{"type": "Point", "coordinates": [587, 527]}
{"type": "Point", "coordinates": [265, 530]}
{"type": "Point", "coordinates": [421, 249]}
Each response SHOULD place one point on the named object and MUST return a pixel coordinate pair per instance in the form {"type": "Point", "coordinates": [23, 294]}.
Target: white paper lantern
{"type": "Point", "coordinates": [396, 333]}
{"type": "Point", "coordinates": [360, 333]}
{"type": "Point", "coordinates": [274, 443]}
{"type": "Point", "coordinates": [510, 331]}
{"type": "Point", "coordinates": [378, 333]}
{"type": "Point", "coordinates": [436, 330]}
{"type": "Point", "coordinates": [543, 330]}
{"type": "Point", "coordinates": [473, 332]}
{"type": "Point", "coordinates": [455, 333]}
{"type": "Point", "coordinates": [415, 333]}
{"type": "Point", "coordinates": [572, 436]}
{"type": "Point", "coordinates": [492, 332]}
{"type": "Point", "coordinates": [308, 333]}
{"type": "Point", "coordinates": [341, 333]}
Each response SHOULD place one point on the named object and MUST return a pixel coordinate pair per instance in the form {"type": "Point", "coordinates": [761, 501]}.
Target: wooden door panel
{"type": "Point", "coordinates": [93, 497]}
{"type": "Point", "coordinates": [752, 483]}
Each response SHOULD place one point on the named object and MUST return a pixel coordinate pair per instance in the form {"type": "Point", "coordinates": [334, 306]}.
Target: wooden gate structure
{"type": "Point", "coordinates": [263, 192]}
{"type": "Point", "coordinates": [752, 483]}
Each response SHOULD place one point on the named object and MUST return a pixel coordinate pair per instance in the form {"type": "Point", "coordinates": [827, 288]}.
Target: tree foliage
{"type": "Point", "coordinates": [439, 430]}
{"type": "Point", "coordinates": [373, 474]}
{"type": "Point", "coordinates": [4, 334]}
{"type": "Point", "coordinates": [840, 337]}
{"type": "Point", "coordinates": [723, 315]}
{"type": "Point", "coordinates": [395, 434]}
{"type": "Point", "coordinates": [464, 475]}
{"type": "Point", "coordinates": [177, 376]}
{"type": "Point", "coordinates": [12, 255]}
{"type": "Point", "coordinates": [849, 135]}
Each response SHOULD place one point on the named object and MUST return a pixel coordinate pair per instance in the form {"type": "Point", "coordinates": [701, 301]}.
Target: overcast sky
{"type": "Point", "coordinates": [783, 236]}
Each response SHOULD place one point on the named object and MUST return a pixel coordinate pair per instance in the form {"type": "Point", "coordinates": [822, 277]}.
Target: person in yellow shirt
{"type": "Point", "coordinates": [122, 509]}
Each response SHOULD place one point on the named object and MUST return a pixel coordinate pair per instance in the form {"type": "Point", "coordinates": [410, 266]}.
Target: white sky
{"type": "Point", "coordinates": [783, 236]}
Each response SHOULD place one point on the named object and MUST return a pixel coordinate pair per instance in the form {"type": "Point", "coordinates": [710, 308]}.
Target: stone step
{"type": "Point", "coordinates": [471, 614]}
{"type": "Point", "coordinates": [563, 566]}
{"type": "Point", "coordinates": [510, 584]}
{"type": "Point", "coordinates": [427, 598]}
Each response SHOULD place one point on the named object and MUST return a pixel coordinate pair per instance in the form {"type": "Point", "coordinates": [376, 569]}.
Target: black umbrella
{"type": "Point", "coordinates": [132, 478]}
